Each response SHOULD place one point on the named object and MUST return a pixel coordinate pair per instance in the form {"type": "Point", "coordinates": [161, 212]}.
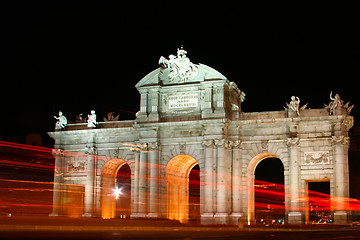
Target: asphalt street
{"type": "Point", "coordinates": [184, 235]}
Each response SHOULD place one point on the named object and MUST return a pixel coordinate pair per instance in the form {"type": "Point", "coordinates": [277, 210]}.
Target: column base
{"type": "Point", "coordinates": [54, 215]}
{"type": "Point", "coordinates": [138, 215]}
{"type": "Point", "coordinates": [207, 218]}
{"type": "Point", "coordinates": [234, 218]}
{"type": "Point", "coordinates": [87, 215]}
{"type": "Point", "coordinates": [341, 217]}
{"type": "Point", "coordinates": [152, 215]}
{"type": "Point", "coordinates": [295, 218]}
{"type": "Point", "coordinates": [221, 218]}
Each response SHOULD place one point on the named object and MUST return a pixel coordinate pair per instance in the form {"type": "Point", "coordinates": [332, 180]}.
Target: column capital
{"type": "Point", "coordinates": [237, 144]}
{"type": "Point", "coordinates": [221, 143]}
{"type": "Point", "coordinates": [341, 140]}
{"type": "Point", "coordinates": [153, 146]}
{"type": "Point", "coordinates": [208, 143]}
{"type": "Point", "coordinates": [90, 149]}
{"type": "Point", "coordinates": [293, 142]}
{"type": "Point", "coordinates": [143, 147]}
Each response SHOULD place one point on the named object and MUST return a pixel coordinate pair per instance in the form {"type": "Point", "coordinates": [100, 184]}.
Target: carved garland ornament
{"type": "Point", "coordinates": [316, 157]}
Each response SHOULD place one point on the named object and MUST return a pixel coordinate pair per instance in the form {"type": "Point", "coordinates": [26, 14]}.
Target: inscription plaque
{"type": "Point", "coordinates": [185, 100]}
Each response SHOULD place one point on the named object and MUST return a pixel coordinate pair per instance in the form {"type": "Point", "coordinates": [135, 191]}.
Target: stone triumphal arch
{"type": "Point", "coordinates": [190, 115]}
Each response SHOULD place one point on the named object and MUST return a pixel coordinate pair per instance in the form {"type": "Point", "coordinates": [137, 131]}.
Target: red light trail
{"type": "Point", "coordinates": [35, 197]}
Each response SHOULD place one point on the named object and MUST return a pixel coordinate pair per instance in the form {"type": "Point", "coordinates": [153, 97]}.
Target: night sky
{"type": "Point", "coordinates": [78, 57]}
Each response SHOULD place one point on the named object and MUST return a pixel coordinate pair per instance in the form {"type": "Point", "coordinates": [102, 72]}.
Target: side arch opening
{"type": "Point", "coordinates": [181, 197]}
{"type": "Point", "coordinates": [251, 183]}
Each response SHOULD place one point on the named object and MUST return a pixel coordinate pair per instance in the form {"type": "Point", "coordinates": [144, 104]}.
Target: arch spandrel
{"type": "Point", "coordinates": [180, 165]}
{"type": "Point", "coordinates": [257, 159]}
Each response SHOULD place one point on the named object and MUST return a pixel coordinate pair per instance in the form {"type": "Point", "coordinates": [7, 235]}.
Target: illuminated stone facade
{"type": "Point", "coordinates": [191, 114]}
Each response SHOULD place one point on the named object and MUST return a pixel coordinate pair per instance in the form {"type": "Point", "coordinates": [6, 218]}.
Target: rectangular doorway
{"type": "Point", "coordinates": [318, 202]}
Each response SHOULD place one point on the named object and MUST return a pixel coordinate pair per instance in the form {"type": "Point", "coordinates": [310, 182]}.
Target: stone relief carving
{"type": "Point", "coordinates": [182, 148]}
{"type": "Point", "coordinates": [77, 166]}
{"type": "Point", "coordinates": [180, 66]}
{"type": "Point", "coordinates": [316, 157]}
{"type": "Point", "coordinates": [264, 146]}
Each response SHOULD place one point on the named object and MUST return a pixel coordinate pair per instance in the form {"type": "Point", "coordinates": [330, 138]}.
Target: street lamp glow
{"type": "Point", "coordinates": [117, 192]}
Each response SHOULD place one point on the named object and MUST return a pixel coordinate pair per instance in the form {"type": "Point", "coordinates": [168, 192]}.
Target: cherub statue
{"type": "Point", "coordinates": [92, 119]}
{"type": "Point", "coordinates": [61, 121]}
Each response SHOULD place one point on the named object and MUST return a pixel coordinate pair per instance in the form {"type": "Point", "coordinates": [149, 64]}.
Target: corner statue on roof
{"type": "Point", "coordinates": [61, 121]}
{"type": "Point", "coordinates": [294, 105]}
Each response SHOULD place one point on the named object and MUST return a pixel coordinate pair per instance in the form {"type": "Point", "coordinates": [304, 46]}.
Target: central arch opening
{"type": "Point", "coordinates": [183, 189]}
{"type": "Point", "coordinates": [115, 189]}
{"type": "Point", "coordinates": [269, 192]}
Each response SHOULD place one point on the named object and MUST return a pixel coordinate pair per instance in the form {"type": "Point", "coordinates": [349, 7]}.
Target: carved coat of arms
{"type": "Point", "coordinates": [180, 66]}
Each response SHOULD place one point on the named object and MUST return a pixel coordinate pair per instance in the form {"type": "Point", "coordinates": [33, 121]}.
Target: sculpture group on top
{"type": "Point", "coordinates": [62, 121]}
{"type": "Point", "coordinates": [180, 66]}
{"type": "Point", "coordinates": [336, 103]}
{"type": "Point", "coordinates": [294, 105]}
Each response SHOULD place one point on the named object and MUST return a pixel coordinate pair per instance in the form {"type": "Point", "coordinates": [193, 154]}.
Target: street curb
{"type": "Point", "coordinates": [62, 228]}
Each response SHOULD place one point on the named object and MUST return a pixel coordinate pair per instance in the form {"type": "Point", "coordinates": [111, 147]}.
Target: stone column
{"type": "Point", "coordinates": [154, 96]}
{"type": "Point", "coordinates": [154, 200]}
{"type": "Point", "coordinates": [90, 177]}
{"type": "Point", "coordinates": [221, 215]}
{"type": "Point", "coordinates": [341, 146]}
{"type": "Point", "coordinates": [143, 104]}
{"type": "Point", "coordinates": [294, 214]}
{"type": "Point", "coordinates": [58, 182]}
{"type": "Point", "coordinates": [143, 175]}
{"type": "Point", "coordinates": [208, 108]}
{"type": "Point", "coordinates": [220, 103]}
{"type": "Point", "coordinates": [135, 186]}
{"type": "Point", "coordinates": [236, 183]}
{"type": "Point", "coordinates": [207, 211]}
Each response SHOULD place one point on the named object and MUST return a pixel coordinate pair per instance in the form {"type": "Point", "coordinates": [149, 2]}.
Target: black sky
{"type": "Point", "coordinates": [78, 57]}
